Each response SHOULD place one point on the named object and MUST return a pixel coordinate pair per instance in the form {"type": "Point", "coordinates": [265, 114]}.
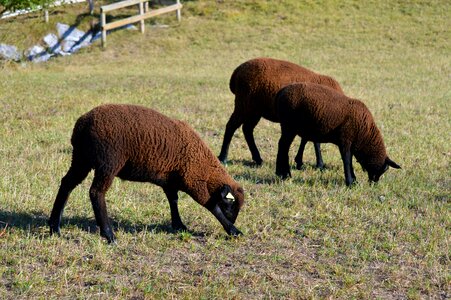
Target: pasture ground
{"type": "Point", "coordinates": [308, 237]}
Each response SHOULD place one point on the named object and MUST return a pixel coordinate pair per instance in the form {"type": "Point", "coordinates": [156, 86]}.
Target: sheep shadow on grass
{"type": "Point", "coordinates": [36, 223]}
{"type": "Point", "coordinates": [243, 162]}
{"type": "Point", "coordinates": [249, 176]}
{"type": "Point", "coordinates": [297, 177]}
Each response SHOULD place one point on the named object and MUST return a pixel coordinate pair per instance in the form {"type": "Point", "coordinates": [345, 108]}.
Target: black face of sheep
{"type": "Point", "coordinates": [225, 205]}
{"type": "Point", "coordinates": [228, 204]}
{"type": "Point", "coordinates": [375, 172]}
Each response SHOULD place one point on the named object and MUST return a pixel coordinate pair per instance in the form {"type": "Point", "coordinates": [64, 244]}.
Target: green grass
{"type": "Point", "coordinates": [308, 237]}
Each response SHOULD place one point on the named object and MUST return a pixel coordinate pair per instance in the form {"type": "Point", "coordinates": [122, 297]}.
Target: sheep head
{"type": "Point", "coordinates": [376, 171]}
{"type": "Point", "coordinates": [230, 201]}
{"type": "Point", "coordinates": [225, 204]}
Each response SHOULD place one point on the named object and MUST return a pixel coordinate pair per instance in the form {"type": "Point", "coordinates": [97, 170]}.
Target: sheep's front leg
{"type": "Point", "coordinates": [228, 226]}
{"type": "Point", "coordinates": [172, 196]}
{"type": "Point", "coordinates": [99, 187]}
{"type": "Point", "coordinates": [282, 162]}
{"type": "Point", "coordinates": [319, 157]}
{"type": "Point", "coordinates": [346, 156]}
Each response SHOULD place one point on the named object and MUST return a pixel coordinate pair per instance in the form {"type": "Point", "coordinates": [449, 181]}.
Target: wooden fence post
{"type": "Point", "coordinates": [179, 12]}
{"type": "Point", "coordinates": [102, 25]}
{"type": "Point", "coordinates": [91, 6]}
{"type": "Point", "coordinates": [141, 12]}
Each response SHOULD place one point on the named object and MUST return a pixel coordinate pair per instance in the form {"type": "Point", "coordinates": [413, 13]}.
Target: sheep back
{"type": "Point", "coordinates": [256, 82]}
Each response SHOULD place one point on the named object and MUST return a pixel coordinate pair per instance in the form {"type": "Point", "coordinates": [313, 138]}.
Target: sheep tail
{"type": "Point", "coordinates": [232, 83]}
{"type": "Point", "coordinates": [80, 128]}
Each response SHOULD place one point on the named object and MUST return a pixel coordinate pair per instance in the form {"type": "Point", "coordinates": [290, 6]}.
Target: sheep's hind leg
{"type": "Point", "coordinates": [234, 122]}
{"type": "Point", "coordinates": [75, 175]}
{"type": "Point", "coordinates": [248, 130]}
{"type": "Point", "coordinates": [177, 223]}
{"type": "Point", "coordinates": [299, 156]}
{"type": "Point", "coordinates": [282, 162]}
{"type": "Point", "coordinates": [101, 183]}
{"type": "Point", "coordinates": [354, 178]}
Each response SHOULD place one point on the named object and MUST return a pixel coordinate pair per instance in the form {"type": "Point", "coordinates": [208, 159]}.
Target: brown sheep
{"type": "Point", "coordinates": [320, 114]}
{"type": "Point", "coordinates": [255, 84]}
{"type": "Point", "coordinates": [139, 144]}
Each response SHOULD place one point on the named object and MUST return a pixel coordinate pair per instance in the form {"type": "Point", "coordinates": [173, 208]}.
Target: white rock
{"type": "Point", "coordinates": [8, 52]}
{"type": "Point", "coordinates": [37, 54]}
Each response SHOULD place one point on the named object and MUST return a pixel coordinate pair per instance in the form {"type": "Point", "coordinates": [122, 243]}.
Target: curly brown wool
{"type": "Point", "coordinates": [255, 84]}
{"type": "Point", "coordinates": [320, 114]}
{"type": "Point", "coordinates": [140, 144]}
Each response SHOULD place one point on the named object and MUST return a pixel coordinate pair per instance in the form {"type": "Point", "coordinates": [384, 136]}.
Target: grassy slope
{"type": "Point", "coordinates": [307, 237]}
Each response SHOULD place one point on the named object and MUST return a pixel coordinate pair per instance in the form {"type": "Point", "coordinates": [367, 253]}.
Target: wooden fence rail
{"type": "Point", "coordinates": [144, 13]}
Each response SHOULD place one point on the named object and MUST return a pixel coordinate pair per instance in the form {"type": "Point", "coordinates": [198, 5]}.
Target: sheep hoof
{"type": "Point", "coordinates": [283, 175]}
{"type": "Point", "coordinates": [112, 242]}
{"type": "Point", "coordinates": [258, 162]}
{"type": "Point", "coordinates": [108, 234]}
{"type": "Point", "coordinates": [54, 229]}
{"type": "Point", "coordinates": [179, 227]}
{"type": "Point", "coordinates": [300, 166]}
{"type": "Point", "coordinates": [233, 231]}
{"type": "Point", "coordinates": [222, 160]}
{"type": "Point", "coordinates": [351, 183]}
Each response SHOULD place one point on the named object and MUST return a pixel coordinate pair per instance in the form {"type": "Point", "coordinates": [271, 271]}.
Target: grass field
{"type": "Point", "coordinates": [309, 237]}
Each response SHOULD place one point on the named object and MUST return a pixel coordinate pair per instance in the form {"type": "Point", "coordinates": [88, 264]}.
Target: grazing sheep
{"type": "Point", "coordinates": [320, 114]}
{"type": "Point", "coordinates": [255, 84]}
{"type": "Point", "coordinates": [139, 144]}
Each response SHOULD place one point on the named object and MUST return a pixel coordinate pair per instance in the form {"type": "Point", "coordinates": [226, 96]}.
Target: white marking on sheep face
{"type": "Point", "coordinates": [230, 197]}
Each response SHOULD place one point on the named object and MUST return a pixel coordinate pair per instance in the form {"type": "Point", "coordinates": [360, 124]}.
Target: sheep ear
{"type": "Point", "coordinates": [226, 194]}
{"type": "Point", "coordinates": [392, 164]}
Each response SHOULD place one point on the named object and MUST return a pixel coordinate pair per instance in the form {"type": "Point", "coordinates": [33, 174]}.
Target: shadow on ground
{"type": "Point", "coordinates": [34, 222]}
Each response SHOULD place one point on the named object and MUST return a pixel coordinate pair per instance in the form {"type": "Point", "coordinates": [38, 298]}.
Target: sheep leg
{"type": "Point", "coordinates": [319, 157]}
{"type": "Point", "coordinates": [76, 174]}
{"type": "Point", "coordinates": [228, 226]}
{"type": "Point", "coordinates": [352, 171]}
{"type": "Point", "coordinates": [299, 156]}
{"type": "Point", "coordinates": [177, 223]}
{"type": "Point", "coordinates": [248, 130]}
{"type": "Point", "coordinates": [101, 183]}
{"type": "Point", "coordinates": [346, 156]}
{"type": "Point", "coordinates": [234, 122]}
{"type": "Point", "coordinates": [282, 162]}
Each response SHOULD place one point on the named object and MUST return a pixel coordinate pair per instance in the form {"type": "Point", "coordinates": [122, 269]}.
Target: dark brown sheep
{"type": "Point", "coordinates": [320, 114]}
{"type": "Point", "coordinates": [255, 84]}
{"type": "Point", "coordinates": [139, 144]}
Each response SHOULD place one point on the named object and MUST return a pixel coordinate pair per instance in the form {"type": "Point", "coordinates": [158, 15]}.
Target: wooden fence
{"type": "Point", "coordinates": [144, 13]}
